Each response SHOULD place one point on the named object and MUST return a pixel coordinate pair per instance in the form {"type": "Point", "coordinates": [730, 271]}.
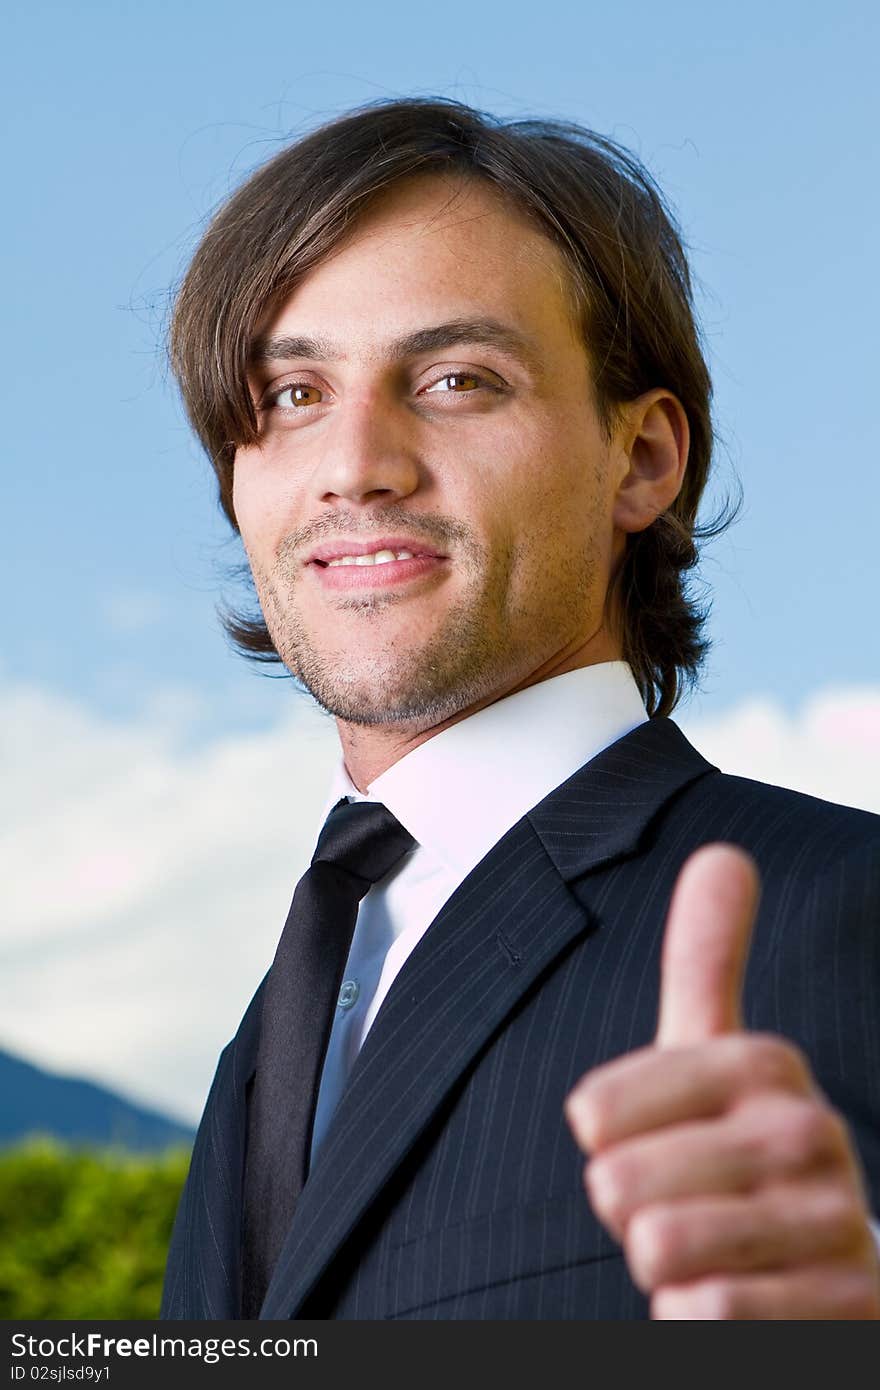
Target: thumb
{"type": "Point", "coordinates": [706, 944]}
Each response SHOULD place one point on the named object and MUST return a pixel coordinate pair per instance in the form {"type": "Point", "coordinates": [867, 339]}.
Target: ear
{"type": "Point", "coordinates": [654, 439]}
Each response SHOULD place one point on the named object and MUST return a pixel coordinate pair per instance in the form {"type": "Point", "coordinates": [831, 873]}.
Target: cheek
{"type": "Point", "coordinates": [550, 500]}
{"type": "Point", "coordinates": [565, 539]}
{"type": "Point", "coordinates": [264, 512]}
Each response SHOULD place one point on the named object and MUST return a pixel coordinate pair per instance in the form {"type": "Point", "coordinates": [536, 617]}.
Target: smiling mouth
{"type": "Point", "coordinates": [373, 557]}
{"type": "Point", "coordinates": [382, 550]}
{"type": "Point", "coordinates": [383, 563]}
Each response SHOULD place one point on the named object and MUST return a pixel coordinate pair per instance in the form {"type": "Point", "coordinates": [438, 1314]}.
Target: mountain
{"type": "Point", "coordinates": [33, 1101]}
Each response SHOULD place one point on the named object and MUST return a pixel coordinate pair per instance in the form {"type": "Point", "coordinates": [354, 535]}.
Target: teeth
{"type": "Point", "coordinates": [377, 557]}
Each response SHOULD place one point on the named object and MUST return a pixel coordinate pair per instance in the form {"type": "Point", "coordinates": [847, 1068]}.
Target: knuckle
{"type": "Point", "coordinates": [861, 1298]}
{"type": "Point", "coordinates": [809, 1130]}
{"type": "Point", "coordinates": [774, 1063]}
{"type": "Point", "coordinates": [717, 1299]}
{"type": "Point", "coordinates": [845, 1217]}
{"type": "Point", "coordinates": [831, 1135]}
{"type": "Point", "coordinates": [597, 1113]}
{"type": "Point", "coordinates": [590, 1110]}
{"type": "Point", "coordinates": [606, 1187]}
{"type": "Point", "coordinates": [706, 1300]}
{"type": "Point", "coordinates": [867, 1304]}
{"type": "Point", "coordinates": [669, 1305]}
{"type": "Point", "coordinates": [579, 1110]}
{"type": "Point", "coordinates": [809, 1134]}
{"type": "Point", "coordinates": [740, 1050]}
{"type": "Point", "coordinates": [836, 1133]}
{"type": "Point", "coordinates": [653, 1248]}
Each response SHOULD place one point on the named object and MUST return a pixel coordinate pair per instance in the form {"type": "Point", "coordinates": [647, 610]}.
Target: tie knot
{"type": "Point", "coordinates": [363, 838]}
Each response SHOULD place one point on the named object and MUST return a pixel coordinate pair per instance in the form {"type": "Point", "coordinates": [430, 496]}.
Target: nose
{"type": "Point", "coordinates": [370, 453]}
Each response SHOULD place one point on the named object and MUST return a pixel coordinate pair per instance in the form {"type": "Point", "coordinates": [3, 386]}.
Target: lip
{"type": "Point", "coordinates": [344, 578]}
{"type": "Point", "coordinates": [334, 550]}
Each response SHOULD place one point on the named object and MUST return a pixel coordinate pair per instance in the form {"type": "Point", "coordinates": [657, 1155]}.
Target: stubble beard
{"type": "Point", "coordinates": [398, 683]}
{"type": "Point", "coordinates": [421, 681]}
{"type": "Point", "coordinates": [482, 647]}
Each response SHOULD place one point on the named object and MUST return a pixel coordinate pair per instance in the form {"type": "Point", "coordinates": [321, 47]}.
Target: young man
{"type": "Point", "coordinates": [448, 375]}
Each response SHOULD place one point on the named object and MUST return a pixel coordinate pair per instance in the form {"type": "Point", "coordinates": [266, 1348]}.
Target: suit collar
{"type": "Point", "coordinates": [604, 812]}
{"type": "Point", "coordinates": [505, 925]}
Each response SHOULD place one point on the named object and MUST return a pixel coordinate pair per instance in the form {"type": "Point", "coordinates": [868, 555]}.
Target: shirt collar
{"type": "Point", "coordinates": [460, 791]}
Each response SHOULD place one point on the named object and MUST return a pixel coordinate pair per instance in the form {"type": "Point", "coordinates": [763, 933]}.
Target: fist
{"type": "Point", "coordinates": [715, 1161]}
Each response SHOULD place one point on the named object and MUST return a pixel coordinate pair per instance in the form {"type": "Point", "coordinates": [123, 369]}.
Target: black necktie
{"type": "Point", "coordinates": [360, 843]}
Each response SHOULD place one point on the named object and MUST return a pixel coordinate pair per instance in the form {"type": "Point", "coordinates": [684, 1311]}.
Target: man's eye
{"type": "Point", "coordinates": [292, 396]}
{"type": "Point", "coordinates": [458, 381]}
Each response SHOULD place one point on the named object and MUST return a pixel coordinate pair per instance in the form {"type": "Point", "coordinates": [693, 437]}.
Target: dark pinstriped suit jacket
{"type": "Point", "coordinates": [449, 1185]}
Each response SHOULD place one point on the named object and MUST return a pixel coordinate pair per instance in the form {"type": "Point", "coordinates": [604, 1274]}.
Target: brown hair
{"type": "Point", "coordinates": [632, 291]}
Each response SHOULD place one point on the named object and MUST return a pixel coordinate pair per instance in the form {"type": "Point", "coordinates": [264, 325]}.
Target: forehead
{"type": "Point", "coordinates": [430, 249]}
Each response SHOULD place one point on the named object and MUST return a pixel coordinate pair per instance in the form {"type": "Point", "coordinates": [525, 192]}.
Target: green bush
{"type": "Point", "coordinates": [84, 1234]}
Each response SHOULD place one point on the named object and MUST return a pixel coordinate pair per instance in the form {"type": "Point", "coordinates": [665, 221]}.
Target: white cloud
{"type": "Point", "coordinates": [145, 886]}
{"type": "Point", "coordinates": [830, 748]}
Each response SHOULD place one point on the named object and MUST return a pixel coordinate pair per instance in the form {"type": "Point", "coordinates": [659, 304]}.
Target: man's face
{"type": "Point", "coordinates": [423, 394]}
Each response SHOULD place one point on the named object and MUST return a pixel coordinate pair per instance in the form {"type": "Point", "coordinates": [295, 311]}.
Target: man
{"type": "Point", "coordinates": [448, 375]}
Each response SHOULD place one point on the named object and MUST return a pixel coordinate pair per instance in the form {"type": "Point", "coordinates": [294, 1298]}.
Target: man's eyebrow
{"type": "Point", "coordinates": [454, 333]}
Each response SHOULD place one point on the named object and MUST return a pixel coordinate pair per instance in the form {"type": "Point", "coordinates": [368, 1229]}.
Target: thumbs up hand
{"type": "Point", "coordinates": [716, 1162]}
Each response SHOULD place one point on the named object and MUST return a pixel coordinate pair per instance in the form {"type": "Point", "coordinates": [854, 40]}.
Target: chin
{"type": "Point", "coordinates": [366, 704]}
{"type": "Point", "coordinates": [429, 696]}
{"type": "Point", "coordinates": [400, 681]}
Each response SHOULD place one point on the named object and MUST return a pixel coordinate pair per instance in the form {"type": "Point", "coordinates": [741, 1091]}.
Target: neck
{"type": "Point", "coordinates": [370, 749]}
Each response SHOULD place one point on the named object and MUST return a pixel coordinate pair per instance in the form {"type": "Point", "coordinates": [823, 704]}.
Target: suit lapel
{"type": "Point", "coordinates": [506, 923]}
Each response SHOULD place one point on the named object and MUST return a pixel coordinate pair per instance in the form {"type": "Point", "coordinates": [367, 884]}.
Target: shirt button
{"type": "Point", "coordinates": [348, 994]}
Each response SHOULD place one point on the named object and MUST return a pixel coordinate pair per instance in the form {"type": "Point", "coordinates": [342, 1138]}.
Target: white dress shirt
{"type": "Point", "coordinates": [458, 794]}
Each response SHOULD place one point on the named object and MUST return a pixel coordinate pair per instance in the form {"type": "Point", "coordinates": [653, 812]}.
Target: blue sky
{"type": "Point", "coordinates": [126, 124]}
{"type": "Point", "coordinates": [129, 122]}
